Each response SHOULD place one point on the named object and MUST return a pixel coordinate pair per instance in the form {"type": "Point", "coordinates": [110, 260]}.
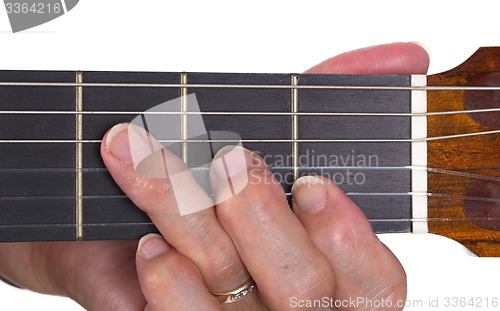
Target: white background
{"type": "Point", "coordinates": [265, 36]}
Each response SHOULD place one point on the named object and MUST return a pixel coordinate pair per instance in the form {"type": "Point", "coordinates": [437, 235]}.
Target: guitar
{"type": "Point", "coordinates": [416, 153]}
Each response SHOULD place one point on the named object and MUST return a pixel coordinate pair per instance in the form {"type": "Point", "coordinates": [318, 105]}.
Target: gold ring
{"type": "Point", "coordinates": [236, 294]}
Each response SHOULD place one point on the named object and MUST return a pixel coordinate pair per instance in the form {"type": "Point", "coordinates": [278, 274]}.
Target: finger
{"type": "Point", "coordinates": [394, 58]}
{"type": "Point", "coordinates": [169, 280]}
{"type": "Point", "coordinates": [363, 266]}
{"type": "Point", "coordinates": [160, 184]}
{"type": "Point", "coordinates": [272, 243]}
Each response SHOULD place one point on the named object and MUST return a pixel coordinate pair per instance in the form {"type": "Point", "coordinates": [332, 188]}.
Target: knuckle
{"type": "Point", "coordinates": [168, 277]}
{"type": "Point", "coordinates": [245, 209]}
{"type": "Point", "coordinates": [341, 236]}
{"type": "Point", "coordinates": [314, 279]}
{"type": "Point", "coordinates": [229, 212]}
{"type": "Point", "coordinates": [163, 198]}
{"type": "Point", "coordinates": [153, 196]}
{"type": "Point", "coordinates": [227, 265]}
{"type": "Point", "coordinates": [151, 282]}
{"type": "Point", "coordinates": [222, 257]}
{"type": "Point", "coordinates": [260, 195]}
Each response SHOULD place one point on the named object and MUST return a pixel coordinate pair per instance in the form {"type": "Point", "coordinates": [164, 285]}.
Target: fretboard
{"type": "Point", "coordinates": [353, 129]}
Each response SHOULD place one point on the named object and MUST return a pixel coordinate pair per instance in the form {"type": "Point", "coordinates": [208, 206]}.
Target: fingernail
{"type": "Point", "coordinates": [231, 160]}
{"type": "Point", "coordinates": [152, 245]}
{"type": "Point", "coordinates": [310, 194]}
{"type": "Point", "coordinates": [128, 142]}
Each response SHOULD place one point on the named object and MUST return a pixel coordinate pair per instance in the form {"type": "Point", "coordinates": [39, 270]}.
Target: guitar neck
{"type": "Point", "coordinates": [355, 129]}
{"type": "Point", "coordinates": [416, 153]}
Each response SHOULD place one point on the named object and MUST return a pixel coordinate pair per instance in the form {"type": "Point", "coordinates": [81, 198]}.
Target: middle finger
{"type": "Point", "coordinates": [271, 241]}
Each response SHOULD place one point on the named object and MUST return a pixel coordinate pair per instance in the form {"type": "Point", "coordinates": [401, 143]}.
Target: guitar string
{"type": "Point", "coordinates": [437, 195]}
{"type": "Point", "coordinates": [94, 170]}
{"type": "Point", "coordinates": [254, 86]}
{"type": "Point", "coordinates": [281, 87]}
{"type": "Point", "coordinates": [248, 113]}
{"type": "Point", "coordinates": [401, 140]}
{"type": "Point", "coordinates": [288, 194]}
{"type": "Point", "coordinates": [375, 220]}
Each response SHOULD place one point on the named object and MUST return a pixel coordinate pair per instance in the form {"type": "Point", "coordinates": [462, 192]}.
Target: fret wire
{"type": "Point", "coordinates": [257, 86]}
{"type": "Point", "coordinates": [79, 159]}
{"type": "Point", "coordinates": [399, 140]}
{"type": "Point", "coordinates": [295, 127]}
{"type": "Point", "coordinates": [250, 113]}
{"type": "Point", "coordinates": [184, 119]}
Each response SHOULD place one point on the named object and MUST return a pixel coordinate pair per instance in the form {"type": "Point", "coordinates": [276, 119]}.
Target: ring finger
{"type": "Point", "coordinates": [271, 241]}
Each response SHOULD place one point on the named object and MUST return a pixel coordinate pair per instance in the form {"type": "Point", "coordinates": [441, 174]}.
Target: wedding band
{"type": "Point", "coordinates": [236, 294]}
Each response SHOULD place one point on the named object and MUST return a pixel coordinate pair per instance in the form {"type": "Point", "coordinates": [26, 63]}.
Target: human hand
{"type": "Point", "coordinates": [102, 276]}
{"type": "Point", "coordinates": [326, 249]}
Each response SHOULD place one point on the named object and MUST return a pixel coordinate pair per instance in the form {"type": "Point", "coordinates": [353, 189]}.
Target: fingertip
{"type": "Point", "coordinates": [402, 58]}
{"type": "Point", "coordinates": [111, 134]}
{"type": "Point", "coordinates": [415, 58]}
{"type": "Point", "coordinates": [152, 245]}
{"type": "Point", "coordinates": [325, 206]}
{"type": "Point", "coordinates": [423, 47]}
{"type": "Point", "coordinates": [310, 194]}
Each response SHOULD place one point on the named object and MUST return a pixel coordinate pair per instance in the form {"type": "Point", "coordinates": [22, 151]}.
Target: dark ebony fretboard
{"type": "Point", "coordinates": [38, 179]}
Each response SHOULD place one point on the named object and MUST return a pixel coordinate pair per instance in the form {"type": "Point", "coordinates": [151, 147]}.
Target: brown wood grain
{"type": "Point", "coordinates": [475, 155]}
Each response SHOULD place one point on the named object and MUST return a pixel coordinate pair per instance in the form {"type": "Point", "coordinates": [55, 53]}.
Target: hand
{"type": "Point", "coordinates": [325, 247]}
{"type": "Point", "coordinates": [287, 254]}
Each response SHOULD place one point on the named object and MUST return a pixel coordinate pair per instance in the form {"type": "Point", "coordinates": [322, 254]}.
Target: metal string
{"type": "Point", "coordinates": [249, 86]}
{"type": "Point", "coordinates": [72, 225]}
{"type": "Point", "coordinates": [401, 140]}
{"type": "Point", "coordinates": [248, 113]}
{"type": "Point", "coordinates": [7, 112]}
{"type": "Point", "coordinates": [287, 168]}
{"type": "Point", "coordinates": [288, 194]}
{"type": "Point", "coordinates": [257, 86]}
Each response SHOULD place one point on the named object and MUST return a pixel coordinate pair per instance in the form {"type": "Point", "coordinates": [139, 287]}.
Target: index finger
{"type": "Point", "coordinates": [393, 58]}
{"type": "Point", "coordinates": [197, 236]}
